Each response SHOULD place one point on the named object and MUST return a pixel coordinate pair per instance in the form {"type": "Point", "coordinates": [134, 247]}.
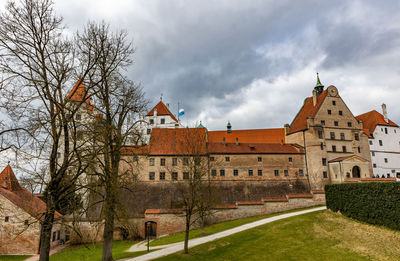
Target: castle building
{"type": "Point", "coordinates": [20, 216]}
{"type": "Point", "coordinates": [384, 143]}
{"type": "Point", "coordinates": [336, 147]}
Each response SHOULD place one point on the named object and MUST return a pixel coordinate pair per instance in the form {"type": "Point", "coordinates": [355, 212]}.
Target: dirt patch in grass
{"type": "Point", "coordinates": [376, 243]}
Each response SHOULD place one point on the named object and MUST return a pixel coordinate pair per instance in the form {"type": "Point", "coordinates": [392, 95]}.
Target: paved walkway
{"type": "Point", "coordinates": [52, 251]}
{"type": "Point", "coordinates": [177, 247]}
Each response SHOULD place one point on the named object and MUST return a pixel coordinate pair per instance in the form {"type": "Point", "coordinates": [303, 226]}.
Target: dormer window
{"type": "Point", "coordinates": [162, 121]}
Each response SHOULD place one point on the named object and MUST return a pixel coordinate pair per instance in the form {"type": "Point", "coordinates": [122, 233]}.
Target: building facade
{"type": "Point", "coordinates": [384, 143]}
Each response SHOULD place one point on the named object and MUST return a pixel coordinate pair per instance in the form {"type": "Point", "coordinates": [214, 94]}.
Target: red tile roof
{"type": "Point", "coordinates": [135, 150]}
{"type": "Point", "coordinates": [21, 197]}
{"type": "Point", "coordinates": [163, 211]}
{"type": "Point", "coordinates": [248, 136]}
{"type": "Point", "coordinates": [305, 195]}
{"type": "Point", "coordinates": [275, 199]}
{"type": "Point", "coordinates": [308, 110]}
{"type": "Point", "coordinates": [246, 203]}
{"type": "Point", "coordinates": [79, 94]}
{"type": "Point", "coordinates": [184, 141]}
{"type": "Point", "coordinates": [161, 110]}
{"type": "Point", "coordinates": [371, 119]}
{"type": "Point", "coordinates": [253, 148]}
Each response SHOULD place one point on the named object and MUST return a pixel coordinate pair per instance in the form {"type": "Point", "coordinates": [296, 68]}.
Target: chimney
{"type": "Point", "coordinates": [223, 140]}
{"type": "Point", "coordinates": [168, 105]}
{"type": "Point", "coordinates": [314, 97]}
{"type": "Point", "coordinates": [385, 113]}
{"type": "Point", "coordinates": [155, 112]}
{"type": "Point", "coordinates": [237, 142]}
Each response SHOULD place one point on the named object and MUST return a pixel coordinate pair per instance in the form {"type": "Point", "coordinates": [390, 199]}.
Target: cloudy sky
{"type": "Point", "coordinates": [254, 62]}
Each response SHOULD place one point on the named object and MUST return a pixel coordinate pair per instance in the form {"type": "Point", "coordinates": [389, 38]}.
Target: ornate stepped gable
{"type": "Point", "coordinates": [21, 197]}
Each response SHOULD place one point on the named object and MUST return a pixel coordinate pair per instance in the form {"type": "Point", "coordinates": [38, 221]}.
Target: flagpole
{"type": "Point", "coordinates": [178, 112]}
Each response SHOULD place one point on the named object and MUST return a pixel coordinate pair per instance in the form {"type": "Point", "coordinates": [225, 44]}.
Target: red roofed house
{"type": "Point", "coordinates": [20, 215]}
{"type": "Point", "coordinates": [384, 143]}
{"type": "Point", "coordinates": [328, 130]}
{"type": "Point", "coordinates": [159, 116]}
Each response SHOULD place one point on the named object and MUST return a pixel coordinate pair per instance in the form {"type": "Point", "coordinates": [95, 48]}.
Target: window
{"type": "Point", "coordinates": [26, 222]}
{"type": "Point", "coordinates": [174, 162]}
{"type": "Point", "coordinates": [78, 117]}
{"type": "Point", "coordinates": [344, 148]}
{"type": "Point", "coordinates": [329, 112]}
{"type": "Point", "coordinates": [349, 124]}
{"type": "Point", "coordinates": [162, 121]}
{"type": "Point", "coordinates": [185, 161]}
{"type": "Point", "coordinates": [58, 155]}
{"type": "Point", "coordinates": [325, 174]}
{"type": "Point", "coordinates": [227, 159]}
{"type": "Point", "coordinates": [374, 165]}
{"type": "Point", "coordinates": [259, 159]}
{"type": "Point", "coordinates": [222, 172]}
{"type": "Point", "coordinates": [185, 175]}
{"type": "Point", "coordinates": [151, 175]}
{"type": "Point", "coordinates": [174, 175]}
{"type": "Point", "coordinates": [301, 173]}
{"type": "Point", "coordinates": [372, 153]}
{"type": "Point", "coordinates": [370, 142]}
{"type": "Point", "coordinates": [342, 136]}
{"type": "Point", "coordinates": [380, 143]}
{"type": "Point", "coordinates": [250, 172]}
{"type": "Point", "coordinates": [7, 219]}
{"type": "Point", "coordinates": [359, 150]}
{"type": "Point", "coordinates": [322, 122]}
{"type": "Point", "coordinates": [212, 159]}
{"type": "Point", "coordinates": [151, 121]}
{"type": "Point", "coordinates": [54, 236]}
{"type": "Point", "coordinates": [322, 146]}
{"type": "Point", "coordinates": [340, 113]}
{"type": "Point", "coordinates": [162, 162]}
{"type": "Point", "coordinates": [259, 172]}
{"type": "Point", "coordinates": [290, 159]}
{"type": "Point", "coordinates": [276, 172]}
{"type": "Point", "coordinates": [235, 172]}
{"type": "Point", "coordinates": [213, 172]}
{"type": "Point", "coordinates": [332, 135]}
{"type": "Point", "coordinates": [58, 235]}
{"type": "Point", "coordinates": [323, 161]}
{"type": "Point", "coordinates": [162, 175]}
{"type": "Point", "coordinates": [333, 148]}
{"type": "Point", "coordinates": [151, 161]}
{"type": "Point", "coordinates": [336, 123]}
{"type": "Point", "coordinates": [320, 135]}
{"type": "Point", "coordinates": [356, 136]}
{"type": "Point", "coordinates": [386, 132]}
{"type": "Point", "coordinates": [386, 160]}
{"type": "Point", "coordinates": [286, 172]}
{"type": "Point", "coordinates": [148, 131]}
{"type": "Point", "coordinates": [334, 103]}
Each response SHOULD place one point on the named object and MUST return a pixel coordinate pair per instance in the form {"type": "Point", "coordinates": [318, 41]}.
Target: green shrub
{"type": "Point", "coordinates": [374, 203]}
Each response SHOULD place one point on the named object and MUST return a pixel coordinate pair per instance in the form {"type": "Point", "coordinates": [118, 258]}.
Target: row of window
{"type": "Point", "coordinates": [7, 219]}
{"type": "Point", "coordinates": [162, 175]}
{"type": "Point", "coordinates": [336, 123]}
{"type": "Point", "coordinates": [185, 161]}
{"type": "Point", "coordinates": [385, 159]}
{"type": "Point", "coordinates": [344, 148]}
{"type": "Point", "coordinates": [386, 130]}
{"type": "Point", "coordinates": [250, 172]}
{"type": "Point", "coordinates": [332, 135]}
{"type": "Point", "coordinates": [162, 121]}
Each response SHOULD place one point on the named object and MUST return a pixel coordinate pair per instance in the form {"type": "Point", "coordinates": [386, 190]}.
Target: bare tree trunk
{"type": "Point", "coordinates": [45, 232]}
{"type": "Point", "coordinates": [108, 227]}
{"type": "Point", "coordinates": [202, 226]}
{"type": "Point", "coordinates": [186, 246]}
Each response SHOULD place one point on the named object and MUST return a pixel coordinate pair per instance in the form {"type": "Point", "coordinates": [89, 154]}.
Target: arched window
{"type": "Point", "coordinates": [356, 172]}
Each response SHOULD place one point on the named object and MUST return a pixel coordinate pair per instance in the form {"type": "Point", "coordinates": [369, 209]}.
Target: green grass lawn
{"type": "Point", "coordinates": [91, 252]}
{"type": "Point", "coordinates": [12, 258]}
{"type": "Point", "coordinates": [212, 229]}
{"type": "Point", "coordinates": [321, 235]}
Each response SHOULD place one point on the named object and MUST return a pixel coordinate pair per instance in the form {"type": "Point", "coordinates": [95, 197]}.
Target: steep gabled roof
{"type": "Point", "coordinates": [373, 118]}
{"type": "Point", "coordinates": [21, 197]}
{"type": "Point", "coordinates": [161, 110]}
{"type": "Point", "coordinates": [308, 110]}
{"type": "Point", "coordinates": [346, 158]}
{"type": "Point", "coordinates": [182, 141]}
{"type": "Point", "coordinates": [253, 148]}
{"type": "Point", "coordinates": [248, 136]}
{"type": "Point", "coordinates": [79, 94]}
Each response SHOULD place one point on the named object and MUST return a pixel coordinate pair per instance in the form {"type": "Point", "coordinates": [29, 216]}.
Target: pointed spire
{"type": "Point", "coordinates": [319, 87]}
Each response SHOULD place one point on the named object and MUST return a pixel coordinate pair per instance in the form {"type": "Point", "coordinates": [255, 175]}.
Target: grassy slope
{"type": "Point", "coordinates": [12, 258]}
{"type": "Point", "coordinates": [315, 236]}
{"type": "Point", "coordinates": [212, 229]}
{"type": "Point", "coordinates": [93, 252]}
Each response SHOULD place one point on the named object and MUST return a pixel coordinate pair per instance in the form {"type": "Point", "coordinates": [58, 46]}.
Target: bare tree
{"type": "Point", "coordinates": [119, 101]}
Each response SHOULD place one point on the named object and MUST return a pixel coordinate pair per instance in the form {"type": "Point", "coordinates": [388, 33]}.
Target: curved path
{"type": "Point", "coordinates": [176, 247]}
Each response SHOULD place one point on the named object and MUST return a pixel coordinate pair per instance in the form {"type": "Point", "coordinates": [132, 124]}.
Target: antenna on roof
{"type": "Point", "coordinates": [8, 163]}
{"type": "Point", "coordinates": [161, 97]}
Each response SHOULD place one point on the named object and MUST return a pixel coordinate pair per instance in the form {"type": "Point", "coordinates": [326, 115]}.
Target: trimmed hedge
{"type": "Point", "coordinates": [374, 203]}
